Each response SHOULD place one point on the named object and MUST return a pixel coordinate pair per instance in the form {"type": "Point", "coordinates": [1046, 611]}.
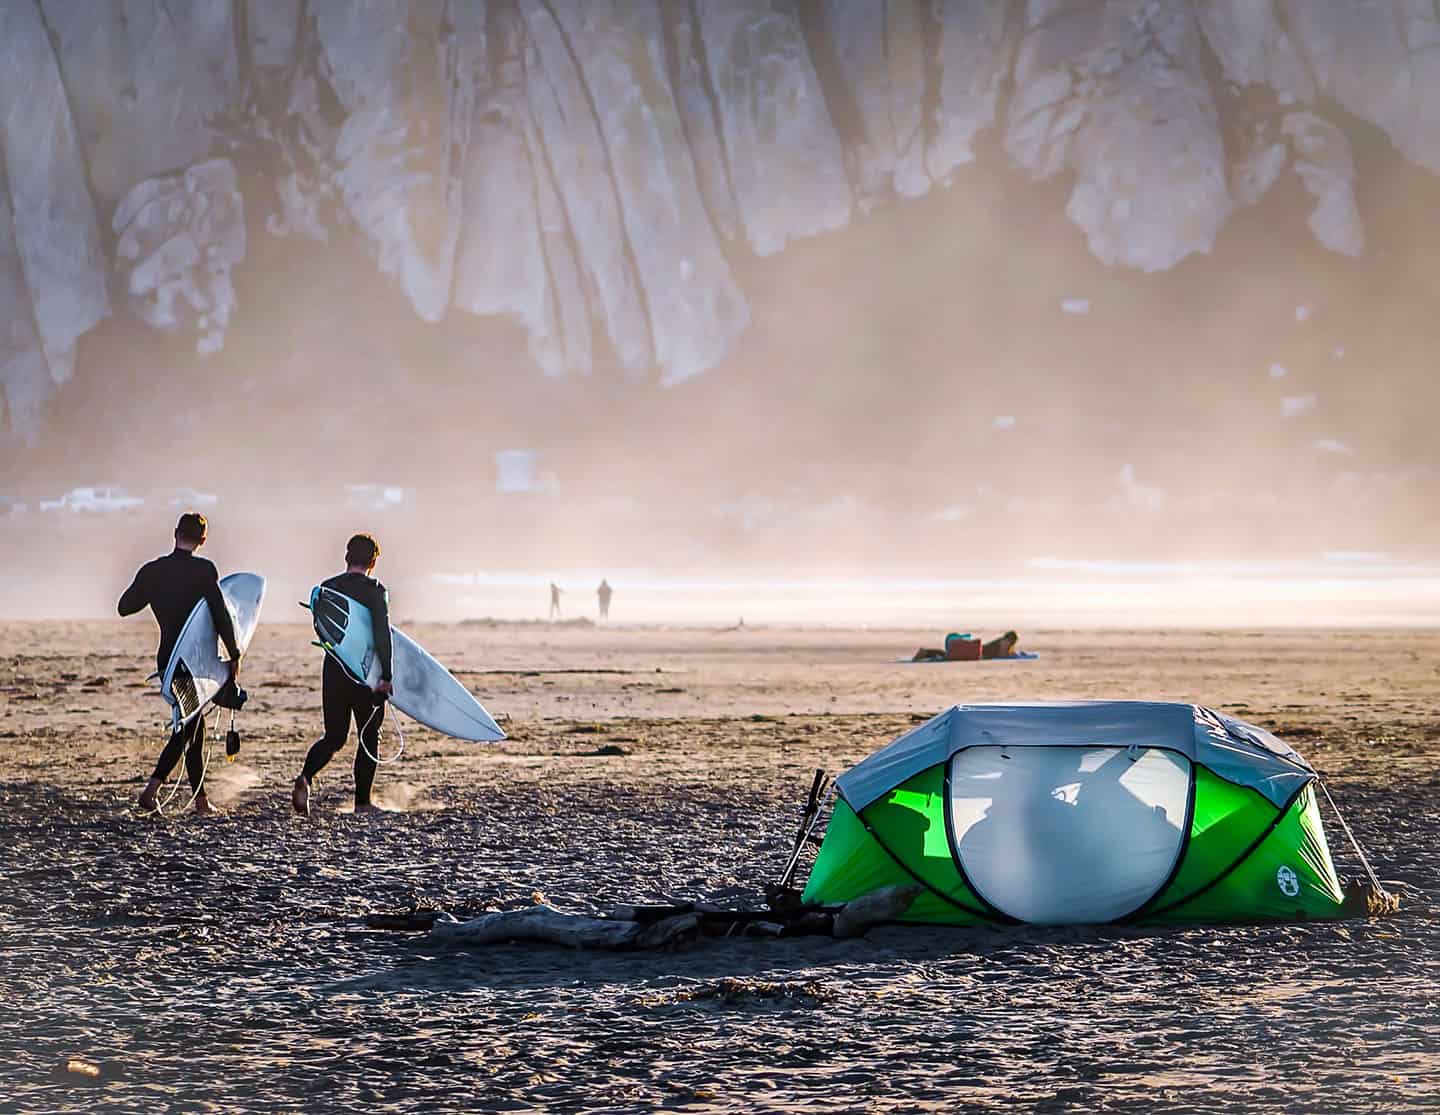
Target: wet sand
{"type": "Point", "coordinates": [223, 962]}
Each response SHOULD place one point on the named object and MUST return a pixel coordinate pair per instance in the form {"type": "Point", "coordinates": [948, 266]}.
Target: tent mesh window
{"type": "Point", "coordinates": [1050, 835]}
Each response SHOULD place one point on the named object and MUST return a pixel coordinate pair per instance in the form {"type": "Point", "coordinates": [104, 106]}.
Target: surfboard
{"type": "Point", "coordinates": [196, 670]}
{"type": "Point", "coordinates": [423, 689]}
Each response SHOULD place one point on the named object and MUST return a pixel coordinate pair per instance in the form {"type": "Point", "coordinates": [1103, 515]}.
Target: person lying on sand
{"type": "Point", "coordinates": [1001, 647]}
{"type": "Point", "coordinates": [343, 697]}
{"type": "Point", "coordinates": [171, 586]}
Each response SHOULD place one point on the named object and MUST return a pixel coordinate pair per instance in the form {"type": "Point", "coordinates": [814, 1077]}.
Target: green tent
{"type": "Point", "coordinates": [1082, 813]}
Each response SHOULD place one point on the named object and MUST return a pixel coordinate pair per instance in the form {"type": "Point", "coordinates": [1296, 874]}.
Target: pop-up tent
{"type": "Point", "coordinates": [1080, 813]}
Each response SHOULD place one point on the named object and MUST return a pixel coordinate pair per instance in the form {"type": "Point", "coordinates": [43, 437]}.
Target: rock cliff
{"type": "Point", "coordinates": [594, 169]}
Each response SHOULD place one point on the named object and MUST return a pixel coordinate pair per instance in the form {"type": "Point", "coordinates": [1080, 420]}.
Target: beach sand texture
{"type": "Point", "coordinates": [223, 961]}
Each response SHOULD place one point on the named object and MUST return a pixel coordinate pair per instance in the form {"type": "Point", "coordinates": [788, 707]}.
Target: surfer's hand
{"type": "Point", "coordinates": [384, 687]}
{"type": "Point", "coordinates": [234, 668]}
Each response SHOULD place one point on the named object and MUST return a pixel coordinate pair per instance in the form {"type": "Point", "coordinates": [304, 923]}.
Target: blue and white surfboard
{"type": "Point", "coordinates": [423, 689]}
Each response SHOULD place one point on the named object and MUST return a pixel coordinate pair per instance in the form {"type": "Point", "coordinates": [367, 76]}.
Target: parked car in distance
{"type": "Point", "coordinates": [374, 497]}
{"type": "Point", "coordinates": [518, 471]}
{"type": "Point", "coordinates": [102, 500]}
{"type": "Point", "coordinates": [10, 506]}
{"type": "Point", "coordinates": [190, 499]}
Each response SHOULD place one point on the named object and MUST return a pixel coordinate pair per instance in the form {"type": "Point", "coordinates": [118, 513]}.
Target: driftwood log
{"type": "Point", "coordinates": [886, 904]}
{"type": "Point", "coordinates": [538, 923]}
{"type": "Point", "coordinates": [651, 927]}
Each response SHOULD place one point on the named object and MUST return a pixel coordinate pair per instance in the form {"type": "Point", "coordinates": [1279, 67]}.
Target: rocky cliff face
{"type": "Point", "coordinates": [593, 169]}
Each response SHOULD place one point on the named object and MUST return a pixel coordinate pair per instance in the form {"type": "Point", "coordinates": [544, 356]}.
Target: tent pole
{"type": "Point", "coordinates": [807, 822]}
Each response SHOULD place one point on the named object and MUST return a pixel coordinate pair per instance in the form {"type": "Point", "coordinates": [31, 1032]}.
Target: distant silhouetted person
{"type": "Point", "coordinates": [604, 592]}
{"type": "Point", "coordinates": [554, 600]}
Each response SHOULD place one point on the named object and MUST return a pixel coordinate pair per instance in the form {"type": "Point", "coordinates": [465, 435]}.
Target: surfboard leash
{"type": "Point", "coordinates": [162, 806]}
{"type": "Point", "coordinates": [399, 731]}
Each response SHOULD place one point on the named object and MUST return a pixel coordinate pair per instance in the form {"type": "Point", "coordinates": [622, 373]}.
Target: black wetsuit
{"type": "Point", "coordinates": [171, 586]}
{"type": "Point", "coordinates": [345, 699]}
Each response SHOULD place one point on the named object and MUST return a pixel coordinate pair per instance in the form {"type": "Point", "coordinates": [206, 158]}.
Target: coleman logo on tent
{"type": "Point", "coordinates": [1287, 881]}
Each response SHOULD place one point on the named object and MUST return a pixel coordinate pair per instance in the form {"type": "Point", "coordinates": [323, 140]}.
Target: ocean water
{"type": "Point", "coordinates": [1339, 589]}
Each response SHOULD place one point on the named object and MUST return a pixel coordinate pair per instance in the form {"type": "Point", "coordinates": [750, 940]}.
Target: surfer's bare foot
{"type": "Point", "coordinates": [147, 795]}
{"type": "Point", "coordinates": [300, 796]}
{"type": "Point", "coordinates": [367, 807]}
{"type": "Point", "coordinates": [203, 806]}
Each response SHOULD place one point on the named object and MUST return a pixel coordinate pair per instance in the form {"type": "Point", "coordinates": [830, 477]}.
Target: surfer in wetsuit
{"type": "Point", "coordinates": [342, 696]}
{"type": "Point", "coordinates": [171, 586]}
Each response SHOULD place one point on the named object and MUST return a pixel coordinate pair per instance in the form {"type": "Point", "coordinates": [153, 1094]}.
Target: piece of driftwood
{"type": "Point", "coordinates": [715, 920]}
{"type": "Point", "coordinates": [810, 923]}
{"type": "Point", "coordinates": [648, 915]}
{"type": "Point", "coordinates": [885, 904]}
{"type": "Point", "coordinates": [652, 927]}
{"type": "Point", "coordinates": [659, 926]}
{"type": "Point", "coordinates": [667, 930]}
{"type": "Point", "coordinates": [538, 923]}
{"type": "Point", "coordinates": [415, 921]}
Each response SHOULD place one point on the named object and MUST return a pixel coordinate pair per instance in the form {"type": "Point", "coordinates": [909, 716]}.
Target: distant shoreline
{"type": "Point", "coordinates": [934, 632]}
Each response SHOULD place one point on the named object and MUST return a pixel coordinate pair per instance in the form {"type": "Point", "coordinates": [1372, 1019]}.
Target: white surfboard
{"type": "Point", "coordinates": [196, 669]}
{"type": "Point", "coordinates": [423, 689]}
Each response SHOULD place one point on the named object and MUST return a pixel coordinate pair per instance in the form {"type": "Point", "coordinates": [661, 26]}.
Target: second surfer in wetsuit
{"type": "Point", "coordinates": [343, 697]}
{"type": "Point", "coordinates": [171, 586]}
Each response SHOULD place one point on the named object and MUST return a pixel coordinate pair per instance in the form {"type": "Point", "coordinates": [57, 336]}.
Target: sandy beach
{"type": "Point", "coordinates": [223, 964]}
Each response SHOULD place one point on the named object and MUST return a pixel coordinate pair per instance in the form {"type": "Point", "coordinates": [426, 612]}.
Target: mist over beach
{"type": "Point", "coordinates": [1012, 422]}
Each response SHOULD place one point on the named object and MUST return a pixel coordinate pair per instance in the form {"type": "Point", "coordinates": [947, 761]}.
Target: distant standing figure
{"type": "Point", "coordinates": [604, 592]}
{"type": "Point", "coordinates": [554, 600]}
